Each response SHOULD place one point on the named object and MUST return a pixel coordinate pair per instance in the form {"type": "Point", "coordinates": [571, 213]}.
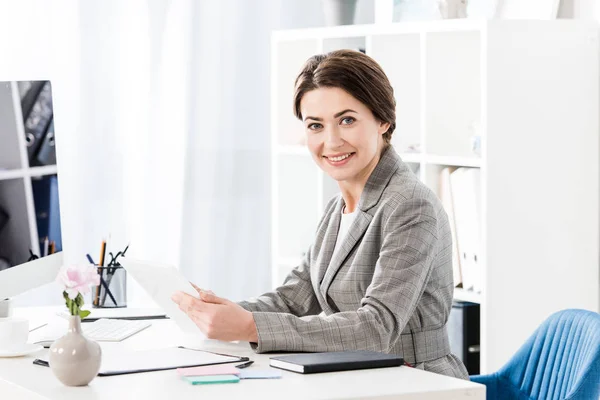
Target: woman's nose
{"type": "Point", "coordinates": [333, 139]}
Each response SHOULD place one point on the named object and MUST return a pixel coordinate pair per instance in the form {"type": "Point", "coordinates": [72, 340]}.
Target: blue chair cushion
{"type": "Point", "coordinates": [561, 360]}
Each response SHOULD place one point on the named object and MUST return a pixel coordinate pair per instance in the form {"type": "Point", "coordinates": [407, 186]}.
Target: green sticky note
{"type": "Point", "coordinates": [207, 380]}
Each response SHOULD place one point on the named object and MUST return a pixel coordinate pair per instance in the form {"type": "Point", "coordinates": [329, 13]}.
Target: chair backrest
{"type": "Point", "coordinates": [561, 360]}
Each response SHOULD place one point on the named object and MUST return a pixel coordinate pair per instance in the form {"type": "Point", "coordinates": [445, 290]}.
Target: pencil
{"type": "Point", "coordinates": [100, 265]}
{"type": "Point", "coordinates": [102, 253]}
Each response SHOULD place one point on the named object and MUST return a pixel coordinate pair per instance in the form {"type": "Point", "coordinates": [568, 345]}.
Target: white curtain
{"type": "Point", "coordinates": [126, 71]}
{"type": "Point", "coordinates": [163, 127]}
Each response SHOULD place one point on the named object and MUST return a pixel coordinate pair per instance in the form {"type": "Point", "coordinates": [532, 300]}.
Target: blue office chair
{"type": "Point", "coordinates": [561, 360]}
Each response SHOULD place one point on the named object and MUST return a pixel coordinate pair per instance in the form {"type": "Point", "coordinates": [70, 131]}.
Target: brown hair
{"type": "Point", "coordinates": [357, 74]}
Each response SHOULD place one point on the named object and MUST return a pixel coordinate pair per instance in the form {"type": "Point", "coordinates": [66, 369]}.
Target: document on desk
{"type": "Point", "coordinates": [131, 362]}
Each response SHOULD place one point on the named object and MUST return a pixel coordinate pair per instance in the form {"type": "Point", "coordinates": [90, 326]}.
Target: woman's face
{"type": "Point", "coordinates": [342, 134]}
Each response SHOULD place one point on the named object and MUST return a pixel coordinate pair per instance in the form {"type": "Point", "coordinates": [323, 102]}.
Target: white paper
{"type": "Point", "coordinates": [161, 282]}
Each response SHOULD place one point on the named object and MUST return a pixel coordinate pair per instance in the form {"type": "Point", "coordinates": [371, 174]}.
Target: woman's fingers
{"type": "Point", "coordinates": [200, 291]}
{"type": "Point", "coordinates": [210, 297]}
{"type": "Point", "coordinates": [186, 302]}
{"type": "Point", "coordinates": [197, 288]}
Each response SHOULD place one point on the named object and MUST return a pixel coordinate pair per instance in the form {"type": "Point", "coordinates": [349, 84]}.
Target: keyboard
{"type": "Point", "coordinates": [112, 330]}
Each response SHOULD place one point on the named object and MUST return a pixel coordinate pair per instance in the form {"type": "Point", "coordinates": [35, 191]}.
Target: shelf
{"type": "Point", "coordinates": [41, 171]}
{"type": "Point", "coordinates": [474, 162]}
{"type": "Point", "coordinates": [411, 157]}
{"type": "Point", "coordinates": [467, 295]}
{"type": "Point", "coordinates": [22, 173]}
{"type": "Point", "coordinates": [454, 81]}
{"type": "Point", "coordinates": [408, 27]}
{"type": "Point", "coordinates": [11, 174]}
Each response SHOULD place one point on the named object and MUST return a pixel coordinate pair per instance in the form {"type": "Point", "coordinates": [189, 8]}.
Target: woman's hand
{"type": "Point", "coordinates": [216, 317]}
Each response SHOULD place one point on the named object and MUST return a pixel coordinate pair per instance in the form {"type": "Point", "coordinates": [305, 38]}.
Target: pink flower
{"type": "Point", "coordinates": [78, 279]}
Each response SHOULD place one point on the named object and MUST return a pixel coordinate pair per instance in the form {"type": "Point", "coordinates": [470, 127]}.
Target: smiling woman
{"type": "Point", "coordinates": [378, 275]}
{"type": "Point", "coordinates": [348, 108]}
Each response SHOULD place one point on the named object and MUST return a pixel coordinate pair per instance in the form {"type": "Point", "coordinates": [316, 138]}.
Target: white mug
{"type": "Point", "coordinates": [14, 333]}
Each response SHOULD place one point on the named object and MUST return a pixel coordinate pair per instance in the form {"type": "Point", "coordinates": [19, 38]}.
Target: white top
{"type": "Point", "coordinates": [345, 223]}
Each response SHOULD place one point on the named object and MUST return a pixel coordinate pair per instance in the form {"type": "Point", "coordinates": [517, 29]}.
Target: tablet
{"type": "Point", "coordinates": [161, 281]}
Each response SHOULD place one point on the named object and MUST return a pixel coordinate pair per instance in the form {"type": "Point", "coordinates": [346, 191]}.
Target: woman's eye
{"type": "Point", "coordinates": [315, 126]}
{"type": "Point", "coordinates": [348, 120]}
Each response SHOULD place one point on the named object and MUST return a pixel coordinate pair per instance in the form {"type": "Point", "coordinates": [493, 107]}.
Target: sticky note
{"type": "Point", "coordinates": [260, 374]}
{"type": "Point", "coordinates": [207, 380]}
{"type": "Point", "coordinates": [206, 370]}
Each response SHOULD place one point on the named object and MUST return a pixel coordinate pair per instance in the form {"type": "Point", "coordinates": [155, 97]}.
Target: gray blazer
{"type": "Point", "coordinates": [388, 288]}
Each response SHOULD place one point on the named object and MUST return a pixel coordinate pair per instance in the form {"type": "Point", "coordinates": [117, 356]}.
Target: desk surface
{"type": "Point", "coordinates": [20, 379]}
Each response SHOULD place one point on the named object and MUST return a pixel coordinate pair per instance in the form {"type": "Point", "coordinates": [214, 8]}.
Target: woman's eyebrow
{"type": "Point", "coordinates": [335, 115]}
{"type": "Point", "coordinates": [344, 112]}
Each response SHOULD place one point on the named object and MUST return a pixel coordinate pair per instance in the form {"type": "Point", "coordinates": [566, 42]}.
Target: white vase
{"type": "Point", "coordinates": [75, 360]}
{"type": "Point", "coordinates": [339, 12]}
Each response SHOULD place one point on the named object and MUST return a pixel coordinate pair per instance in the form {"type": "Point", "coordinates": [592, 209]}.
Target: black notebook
{"type": "Point", "coordinates": [310, 363]}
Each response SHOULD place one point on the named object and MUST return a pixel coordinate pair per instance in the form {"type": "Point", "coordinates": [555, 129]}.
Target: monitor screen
{"type": "Point", "coordinates": [29, 200]}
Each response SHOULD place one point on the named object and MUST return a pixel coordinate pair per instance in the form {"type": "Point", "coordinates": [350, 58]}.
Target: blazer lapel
{"type": "Point", "coordinates": [328, 243]}
{"type": "Point", "coordinates": [355, 233]}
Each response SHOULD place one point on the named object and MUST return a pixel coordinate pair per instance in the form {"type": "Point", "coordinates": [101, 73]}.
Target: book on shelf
{"type": "Point", "coordinates": [466, 197]}
{"type": "Point", "coordinates": [47, 210]}
{"type": "Point", "coordinates": [447, 202]}
{"type": "Point", "coordinates": [46, 154]}
{"type": "Point", "coordinates": [37, 116]}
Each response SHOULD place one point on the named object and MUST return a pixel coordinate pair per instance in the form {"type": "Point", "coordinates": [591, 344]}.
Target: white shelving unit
{"type": "Point", "coordinates": [530, 90]}
{"type": "Point", "coordinates": [16, 194]}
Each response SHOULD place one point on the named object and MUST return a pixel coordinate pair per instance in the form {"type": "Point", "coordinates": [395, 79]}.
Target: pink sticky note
{"type": "Point", "coordinates": [205, 370]}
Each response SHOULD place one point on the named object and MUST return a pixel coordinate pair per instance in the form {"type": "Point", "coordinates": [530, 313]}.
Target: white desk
{"type": "Point", "coordinates": [20, 379]}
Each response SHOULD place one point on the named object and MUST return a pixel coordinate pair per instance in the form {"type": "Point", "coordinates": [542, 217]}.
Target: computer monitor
{"type": "Point", "coordinates": [29, 200]}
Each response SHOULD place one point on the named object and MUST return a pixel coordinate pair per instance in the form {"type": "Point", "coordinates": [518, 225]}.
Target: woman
{"type": "Point", "coordinates": [379, 273]}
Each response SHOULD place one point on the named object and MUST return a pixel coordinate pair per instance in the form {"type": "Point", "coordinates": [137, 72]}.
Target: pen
{"type": "Point", "coordinates": [212, 352]}
{"type": "Point", "coordinates": [244, 365]}
{"type": "Point", "coordinates": [90, 259]}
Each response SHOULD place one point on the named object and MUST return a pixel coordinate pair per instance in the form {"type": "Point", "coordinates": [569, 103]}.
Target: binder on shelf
{"type": "Point", "coordinates": [46, 155]}
{"type": "Point", "coordinates": [464, 334]}
{"type": "Point", "coordinates": [3, 219]}
{"type": "Point", "coordinates": [465, 189]}
{"type": "Point", "coordinates": [473, 176]}
{"type": "Point", "coordinates": [29, 92]}
{"type": "Point", "coordinates": [4, 261]}
{"type": "Point", "coordinates": [447, 202]}
{"type": "Point", "coordinates": [37, 119]}
{"type": "Point", "coordinates": [47, 210]}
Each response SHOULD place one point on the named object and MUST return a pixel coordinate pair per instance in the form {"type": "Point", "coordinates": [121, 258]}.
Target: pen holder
{"type": "Point", "coordinates": [112, 291]}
